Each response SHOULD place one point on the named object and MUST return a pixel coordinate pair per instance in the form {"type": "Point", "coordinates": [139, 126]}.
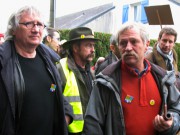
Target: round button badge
{"type": "Point", "coordinates": [152, 102]}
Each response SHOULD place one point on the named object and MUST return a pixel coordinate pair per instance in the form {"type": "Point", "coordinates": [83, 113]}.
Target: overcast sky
{"type": "Point", "coordinates": [63, 7]}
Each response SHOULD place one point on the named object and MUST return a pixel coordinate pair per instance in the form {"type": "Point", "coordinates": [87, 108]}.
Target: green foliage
{"type": "Point", "coordinates": [64, 34]}
{"type": "Point", "coordinates": [152, 42]}
{"type": "Point", "coordinates": [177, 48]}
{"type": "Point", "coordinates": [102, 48]}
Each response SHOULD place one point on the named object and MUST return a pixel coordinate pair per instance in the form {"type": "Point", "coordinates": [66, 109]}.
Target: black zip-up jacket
{"type": "Point", "coordinates": [12, 83]}
{"type": "Point", "coordinates": [104, 114]}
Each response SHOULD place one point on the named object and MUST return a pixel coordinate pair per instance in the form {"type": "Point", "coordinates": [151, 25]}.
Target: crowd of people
{"type": "Point", "coordinates": [47, 86]}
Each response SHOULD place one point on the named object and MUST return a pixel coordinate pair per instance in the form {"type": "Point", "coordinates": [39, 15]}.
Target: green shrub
{"type": "Point", "coordinates": [177, 48]}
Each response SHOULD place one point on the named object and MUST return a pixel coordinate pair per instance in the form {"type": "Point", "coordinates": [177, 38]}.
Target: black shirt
{"type": "Point", "coordinates": [87, 76]}
{"type": "Point", "coordinates": [37, 115]}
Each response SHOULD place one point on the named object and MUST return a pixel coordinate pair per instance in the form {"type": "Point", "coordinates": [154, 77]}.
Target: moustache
{"type": "Point", "coordinates": [126, 54]}
{"type": "Point", "coordinates": [91, 55]}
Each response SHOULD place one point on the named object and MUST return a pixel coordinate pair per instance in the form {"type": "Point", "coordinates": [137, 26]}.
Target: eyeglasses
{"type": "Point", "coordinates": [31, 25]}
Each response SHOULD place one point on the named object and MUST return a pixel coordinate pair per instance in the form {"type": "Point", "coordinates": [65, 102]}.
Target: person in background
{"type": "Point", "coordinates": [164, 54]}
{"type": "Point", "coordinates": [62, 52]}
{"type": "Point", "coordinates": [98, 62]}
{"type": "Point", "coordinates": [77, 74]}
{"type": "Point", "coordinates": [133, 96]}
{"type": "Point", "coordinates": [114, 55]}
{"type": "Point", "coordinates": [31, 99]}
{"type": "Point", "coordinates": [1, 38]}
{"type": "Point", "coordinates": [52, 39]}
{"type": "Point", "coordinates": [149, 50]}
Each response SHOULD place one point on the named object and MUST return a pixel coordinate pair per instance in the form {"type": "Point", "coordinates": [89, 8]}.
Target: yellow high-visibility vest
{"type": "Point", "coordinates": [71, 93]}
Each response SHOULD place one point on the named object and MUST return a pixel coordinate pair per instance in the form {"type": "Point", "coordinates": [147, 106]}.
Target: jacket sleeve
{"type": "Point", "coordinates": [95, 115]}
{"type": "Point", "coordinates": [68, 110]}
{"type": "Point", "coordinates": [173, 104]}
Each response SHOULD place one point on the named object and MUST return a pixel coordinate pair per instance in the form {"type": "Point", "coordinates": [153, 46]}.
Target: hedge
{"type": "Point", "coordinates": [102, 48]}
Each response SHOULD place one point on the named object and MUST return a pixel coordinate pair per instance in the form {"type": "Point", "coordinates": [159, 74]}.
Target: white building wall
{"type": "Point", "coordinates": [153, 29]}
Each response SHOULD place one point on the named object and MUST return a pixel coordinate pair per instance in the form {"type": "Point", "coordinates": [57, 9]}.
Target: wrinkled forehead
{"type": "Point", "coordinates": [129, 33]}
{"type": "Point", "coordinates": [31, 14]}
{"type": "Point", "coordinates": [129, 29]}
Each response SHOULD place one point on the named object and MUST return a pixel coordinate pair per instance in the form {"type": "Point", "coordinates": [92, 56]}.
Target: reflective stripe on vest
{"type": "Point", "coordinates": [71, 93]}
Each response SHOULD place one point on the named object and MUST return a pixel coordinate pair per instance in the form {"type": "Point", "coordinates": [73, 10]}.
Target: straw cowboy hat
{"type": "Point", "coordinates": [80, 33]}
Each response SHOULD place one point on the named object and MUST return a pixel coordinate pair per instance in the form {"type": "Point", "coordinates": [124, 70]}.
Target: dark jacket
{"type": "Point", "coordinates": [108, 60]}
{"type": "Point", "coordinates": [11, 83]}
{"type": "Point", "coordinates": [104, 115]}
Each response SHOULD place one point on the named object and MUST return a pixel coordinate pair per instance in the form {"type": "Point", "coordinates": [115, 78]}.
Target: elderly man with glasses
{"type": "Point", "coordinates": [31, 101]}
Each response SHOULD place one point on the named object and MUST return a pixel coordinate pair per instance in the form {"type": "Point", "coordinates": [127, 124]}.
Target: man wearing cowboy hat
{"type": "Point", "coordinates": [78, 78]}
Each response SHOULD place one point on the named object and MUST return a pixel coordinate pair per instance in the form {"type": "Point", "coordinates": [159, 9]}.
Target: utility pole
{"type": "Point", "coordinates": [52, 13]}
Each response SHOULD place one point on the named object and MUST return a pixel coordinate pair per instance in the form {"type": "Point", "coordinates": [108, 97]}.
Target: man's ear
{"type": "Point", "coordinates": [49, 39]}
{"type": "Point", "coordinates": [75, 47]}
{"type": "Point", "coordinates": [147, 44]}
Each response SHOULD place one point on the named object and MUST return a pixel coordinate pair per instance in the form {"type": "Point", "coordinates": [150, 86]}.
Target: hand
{"type": "Point", "coordinates": [68, 119]}
{"type": "Point", "coordinates": [160, 124]}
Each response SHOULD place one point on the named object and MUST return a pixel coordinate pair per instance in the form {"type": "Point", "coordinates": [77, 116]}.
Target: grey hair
{"type": "Point", "coordinates": [113, 40]}
{"type": "Point", "coordinates": [138, 27]}
{"type": "Point", "coordinates": [14, 19]}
